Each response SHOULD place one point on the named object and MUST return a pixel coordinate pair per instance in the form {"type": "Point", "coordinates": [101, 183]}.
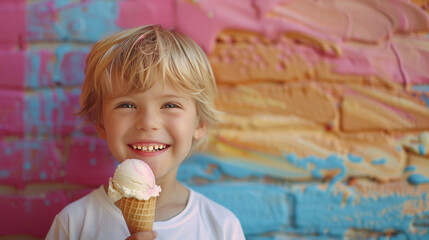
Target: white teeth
{"type": "Point", "coordinates": [149, 148]}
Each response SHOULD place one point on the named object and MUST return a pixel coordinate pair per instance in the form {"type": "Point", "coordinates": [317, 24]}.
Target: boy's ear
{"type": "Point", "coordinates": [201, 130]}
{"type": "Point", "coordinates": [101, 131]}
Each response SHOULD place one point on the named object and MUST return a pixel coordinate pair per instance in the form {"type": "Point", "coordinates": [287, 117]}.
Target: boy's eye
{"type": "Point", "coordinates": [126, 105]}
{"type": "Point", "coordinates": [170, 105]}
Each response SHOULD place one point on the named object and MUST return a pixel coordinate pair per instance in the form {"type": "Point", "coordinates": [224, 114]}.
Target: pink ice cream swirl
{"type": "Point", "coordinates": [133, 179]}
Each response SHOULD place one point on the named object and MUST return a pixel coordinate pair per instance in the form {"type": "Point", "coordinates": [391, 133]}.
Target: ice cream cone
{"type": "Point", "coordinates": [139, 214]}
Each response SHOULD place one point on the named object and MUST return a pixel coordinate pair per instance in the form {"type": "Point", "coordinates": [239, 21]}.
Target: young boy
{"type": "Point", "coordinates": [150, 93]}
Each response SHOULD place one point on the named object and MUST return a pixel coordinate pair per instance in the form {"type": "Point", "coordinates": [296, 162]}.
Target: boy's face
{"type": "Point", "coordinates": [156, 126]}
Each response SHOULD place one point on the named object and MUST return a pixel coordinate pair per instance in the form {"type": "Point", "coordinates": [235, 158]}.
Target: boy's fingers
{"type": "Point", "coordinates": [146, 235]}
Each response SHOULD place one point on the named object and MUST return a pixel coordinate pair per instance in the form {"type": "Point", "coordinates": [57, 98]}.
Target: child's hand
{"type": "Point", "coordinates": [146, 235]}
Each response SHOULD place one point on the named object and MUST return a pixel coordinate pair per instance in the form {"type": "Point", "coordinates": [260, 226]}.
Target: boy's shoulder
{"type": "Point", "coordinates": [80, 207]}
{"type": "Point", "coordinates": [219, 221]}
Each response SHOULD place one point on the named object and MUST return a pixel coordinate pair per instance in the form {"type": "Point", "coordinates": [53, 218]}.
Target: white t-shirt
{"type": "Point", "coordinates": [95, 217]}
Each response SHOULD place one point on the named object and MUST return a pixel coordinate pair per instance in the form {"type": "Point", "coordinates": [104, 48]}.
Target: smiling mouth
{"type": "Point", "coordinates": [150, 148]}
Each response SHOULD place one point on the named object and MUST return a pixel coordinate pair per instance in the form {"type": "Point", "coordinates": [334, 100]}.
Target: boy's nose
{"type": "Point", "coordinates": [147, 121]}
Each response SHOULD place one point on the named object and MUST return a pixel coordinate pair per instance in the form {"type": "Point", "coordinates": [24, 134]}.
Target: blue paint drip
{"type": "Point", "coordinates": [32, 114]}
{"type": "Point", "coordinates": [417, 179]}
{"type": "Point", "coordinates": [422, 150]}
{"type": "Point", "coordinates": [381, 161]}
{"type": "Point", "coordinates": [60, 51]}
{"type": "Point", "coordinates": [410, 168]}
{"type": "Point", "coordinates": [354, 158]}
{"type": "Point", "coordinates": [32, 70]}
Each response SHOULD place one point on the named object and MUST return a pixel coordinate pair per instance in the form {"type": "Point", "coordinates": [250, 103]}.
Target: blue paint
{"type": "Point", "coordinates": [423, 88]}
{"type": "Point", "coordinates": [417, 179]}
{"type": "Point", "coordinates": [317, 209]}
{"type": "Point", "coordinates": [381, 161]}
{"type": "Point", "coordinates": [332, 162]}
{"type": "Point", "coordinates": [32, 115]}
{"type": "Point", "coordinates": [60, 51]}
{"type": "Point", "coordinates": [45, 111]}
{"type": "Point", "coordinates": [32, 69]}
{"type": "Point", "coordinates": [426, 100]}
{"type": "Point", "coordinates": [399, 148]}
{"type": "Point", "coordinates": [92, 145]}
{"type": "Point", "coordinates": [43, 175]}
{"type": "Point", "coordinates": [27, 165]}
{"type": "Point", "coordinates": [71, 74]}
{"type": "Point", "coordinates": [32, 162]}
{"type": "Point", "coordinates": [422, 150]}
{"type": "Point", "coordinates": [410, 168]}
{"type": "Point", "coordinates": [92, 161]}
{"type": "Point", "coordinates": [270, 204]}
{"type": "Point", "coordinates": [80, 22]}
{"type": "Point", "coordinates": [354, 158]}
{"type": "Point", "coordinates": [4, 174]}
{"type": "Point", "coordinates": [7, 150]}
{"type": "Point", "coordinates": [212, 168]}
{"type": "Point", "coordinates": [92, 23]}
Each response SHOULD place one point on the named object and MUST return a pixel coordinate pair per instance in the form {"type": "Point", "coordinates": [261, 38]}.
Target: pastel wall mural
{"type": "Point", "coordinates": [325, 131]}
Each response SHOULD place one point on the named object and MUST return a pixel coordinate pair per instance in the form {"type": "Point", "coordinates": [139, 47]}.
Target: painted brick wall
{"type": "Point", "coordinates": [357, 181]}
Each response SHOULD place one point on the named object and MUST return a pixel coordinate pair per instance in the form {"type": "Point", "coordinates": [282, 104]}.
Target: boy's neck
{"type": "Point", "coordinates": [171, 201]}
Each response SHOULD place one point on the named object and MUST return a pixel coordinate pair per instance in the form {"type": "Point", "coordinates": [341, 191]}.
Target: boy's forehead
{"type": "Point", "coordinates": [165, 87]}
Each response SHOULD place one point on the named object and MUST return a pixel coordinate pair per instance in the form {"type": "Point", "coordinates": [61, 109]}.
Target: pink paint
{"type": "Point", "coordinates": [56, 112]}
{"type": "Point", "coordinates": [205, 19]}
{"type": "Point", "coordinates": [40, 64]}
{"type": "Point", "coordinates": [11, 164]}
{"type": "Point", "coordinates": [339, 22]}
{"type": "Point", "coordinates": [133, 13]}
{"type": "Point", "coordinates": [12, 34]}
{"type": "Point", "coordinates": [41, 161]}
{"type": "Point", "coordinates": [88, 161]}
{"type": "Point", "coordinates": [414, 57]}
{"type": "Point", "coordinates": [401, 68]}
{"type": "Point", "coordinates": [29, 161]}
{"type": "Point", "coordinates": [38, 211]}
{"type": "Point", "coordinates": [12, 69]}
{"type": "Point", "coordinates": [11, 112]}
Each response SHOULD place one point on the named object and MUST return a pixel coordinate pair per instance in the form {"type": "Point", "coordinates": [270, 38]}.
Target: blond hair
{"type": "Point", "coordinates": [138, 57]}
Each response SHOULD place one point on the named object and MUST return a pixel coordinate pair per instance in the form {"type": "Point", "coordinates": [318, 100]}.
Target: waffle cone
{"type": "Point", "coordinates": [139, 214]}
